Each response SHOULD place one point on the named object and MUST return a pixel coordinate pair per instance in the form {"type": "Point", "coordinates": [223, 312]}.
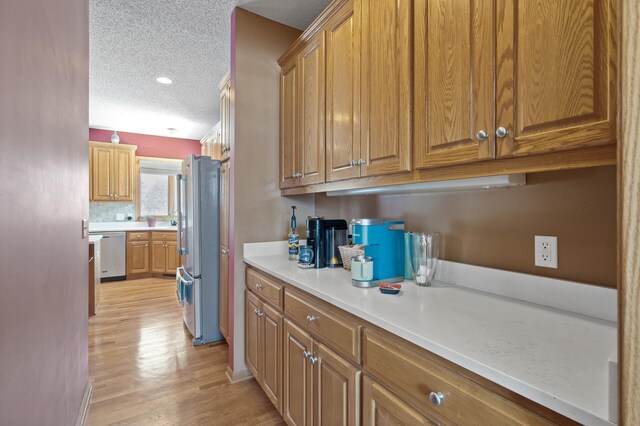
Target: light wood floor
{"type": "Point", "coordinates": [145, 371]}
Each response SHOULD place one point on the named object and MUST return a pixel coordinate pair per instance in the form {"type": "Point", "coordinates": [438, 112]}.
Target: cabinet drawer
{"type": "Point", "coordinates": [164, 236]}
{"type": "Point", "coordinates": [137, 236]}
{"type": "Point", "coordinates": [414, 377]}
{"type": "Point", "coordinates": [340, 332]}
{"type": "Point", "coordinates": [266, 287]}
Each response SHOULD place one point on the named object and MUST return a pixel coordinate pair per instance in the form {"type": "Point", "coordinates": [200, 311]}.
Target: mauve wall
{"type": "Point", "coordinates": [496, 228]}
{"type": "Point", "coordinates": [149, 145]}
{"type": "Point", "coordinates": [258, 212]}
{"type": "Point", "coordinates": [44, 47]}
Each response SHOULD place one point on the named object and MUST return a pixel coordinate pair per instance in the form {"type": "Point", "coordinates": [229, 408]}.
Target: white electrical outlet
{"type": "Point", "coordinates": [546, 251]}
{"type": "Point", "coordinates": [119, 216]}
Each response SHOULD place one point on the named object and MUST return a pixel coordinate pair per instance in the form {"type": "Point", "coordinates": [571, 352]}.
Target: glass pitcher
{"type": "Point", "coordinates": [424, 257]}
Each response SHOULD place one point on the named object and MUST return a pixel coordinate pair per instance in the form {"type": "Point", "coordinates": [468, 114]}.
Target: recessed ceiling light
{"type": "Point", "coordinates": [164, 80]}
{"type": "Point", "coordinates": [172, 130]}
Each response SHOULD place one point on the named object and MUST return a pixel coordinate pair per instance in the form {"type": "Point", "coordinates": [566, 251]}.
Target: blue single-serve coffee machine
{"type": "Point", "coordinates": [383, 241]}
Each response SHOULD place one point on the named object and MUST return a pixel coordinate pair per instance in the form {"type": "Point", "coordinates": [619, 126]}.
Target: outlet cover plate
{"type": "Point", "coordinates": [546, 251]}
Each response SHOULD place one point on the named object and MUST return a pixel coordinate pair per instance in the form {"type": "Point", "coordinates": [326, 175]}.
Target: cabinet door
{"type": "Point", "coordinates": [296, 395]}
{"type": "Point", "coordinates": [137, 257]}
{"type": "Point", "coordinates": [271, 351]}
{"type": "Point", "coordinates": [173, 260]}
{"type": "Point", "coordinates": [225, 121]}
{"type": "Point", "coordinates": [556, 74]}
{"type": "Point", "coordinates": [224, 204]}
{"type": "Point", "coordinates": [102, 186]}
{"type": "Point", "coordinates": [453, 82]}
{"type": "Point", "coordinates": [223, 296]}
{"type": "Point", "coordinates": [386, 86]}
{"type": "Point", "coordinates": [381, 408]}
{"type": "Point", "coordinates": [251, 310]}
{"type": "Point", "coordinates": [288, 124]}
{"type": "Point", "coordinates": [342, 95]}
{"type": "Point", "coordinates": [336, 389]}
{"type": "Point", "coordinates": [158, 257]}
{"type": "Point", "coordinates": [123, 175]}
{"type": "Point", "coordinates": [311, 100]}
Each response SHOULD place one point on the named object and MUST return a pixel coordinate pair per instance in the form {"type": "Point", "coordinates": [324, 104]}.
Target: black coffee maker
{"type": "Point", "coordinates": [321, 237]}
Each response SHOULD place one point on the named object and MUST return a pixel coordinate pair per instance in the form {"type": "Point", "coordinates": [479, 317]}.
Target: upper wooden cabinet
{"type": "Point", "coordinates": [385, 89]}
{"type": "Point", "coordinates": [302, 91]}
{"type": "Point", "coordinates": [112, 170]}
{"type": "Point", "coordinates": [556, 75]}
{"type": "Point", "coordinates": [311, 68]}
{"type": "Point", "coordinates": [453, 82]}
{"type": "Point", "coordinates": [431, 89]}
{"type": "Point", "coordinates": [225, 120]}
{"type": "Point", "coordinates": [342, 95]}
{"type": "Point", "coordinates": [288, 124]}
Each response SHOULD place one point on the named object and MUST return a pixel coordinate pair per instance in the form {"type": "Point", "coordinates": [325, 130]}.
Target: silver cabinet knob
{"type": "Point", "coordinates": [436, 398]}
{"type": "Point", "coordinates": [311, 318]}
{"type": "Point", "coordinates": [306, 354]}
{"type": "Point", "coordinates": [352, 163]}
{"type": "Point", "coordinates": [258, 286]}
{"type": "Point", "coordinates": [297, 175]}
{"type": "Point", "coordinates": [361, 162]}
{"type": "Point", "coordinates": [224, 251]}
{"type": "Point", "coordinates": [501, 132]}
{"type": "Point", "coordinates": [313, 359]}
{"type": "Point", "coordinates": [482, 135]}
{"type": "Point", "coordinates": [260, 313]}
{"type": "Point", "coordinates": [255, 311]}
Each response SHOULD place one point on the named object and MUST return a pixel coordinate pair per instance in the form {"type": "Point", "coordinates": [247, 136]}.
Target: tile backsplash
{"type": "Point", "coordinates": [106, 211]}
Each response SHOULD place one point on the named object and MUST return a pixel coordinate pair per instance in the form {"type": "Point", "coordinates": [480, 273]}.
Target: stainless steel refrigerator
{"type": "Point", "coordinates": [197, 279]}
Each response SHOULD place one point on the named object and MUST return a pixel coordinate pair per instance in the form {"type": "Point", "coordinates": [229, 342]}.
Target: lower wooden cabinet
{"type": "Point", "coordinates": [137, 257]}
{"type": "Point", "coordinates": [305, 354]}
{"type": "Point", "coordinates": [263, 345]}
{"type": "Point", "coordinates": [382, 408]}
{"type": "Point", "coordinates": [320, 387]}
{"type": "Point", "coordinates": [152, 253]}
{"type": "Point", "coordinates": [223, 295]}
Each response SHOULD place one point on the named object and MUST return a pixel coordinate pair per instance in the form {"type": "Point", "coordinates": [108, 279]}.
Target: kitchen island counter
{"type": "Point", "coordinates": [557, 358]}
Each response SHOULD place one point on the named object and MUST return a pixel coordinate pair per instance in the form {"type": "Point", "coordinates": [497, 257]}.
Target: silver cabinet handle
{"type": "Point", "coordinates": [306, 354]}
{"type": "Point", "coordinates": [115, 195]}
{"type": "Point", "coordinates": [224, 251]}
{"type": "Point", "coordinates": [255, 311]}
{"type": "Point", "coordinates": [501, 132]}
{"type": "Point", "coordinates": [296, 175]}
{"type": "Point", "coordinates": [361, 162]}
{"type": "Point", "coordinates": [313, 359]}
{"type": "Point", "coordinates": [311, 318]}
{"type": "Point", "coordinates": [260, 313]}
{"type": "Point", "coordinates": [482, 135]}
{"type": "Point", "coordinates": [436, 398]}
{"type": "Point", "coordinates": [258, 286]}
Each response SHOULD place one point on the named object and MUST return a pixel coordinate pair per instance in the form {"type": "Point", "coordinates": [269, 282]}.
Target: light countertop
{"type": "Point", "coordinates": [557, 358]}
{"type": "Point", "coordinates": [94, 238]}
{"type": "Point", "coordinates": [129, 226]}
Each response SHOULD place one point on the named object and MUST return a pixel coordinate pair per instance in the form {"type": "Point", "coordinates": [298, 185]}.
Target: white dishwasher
{"type": "Point", "coordinates": [113, 247]}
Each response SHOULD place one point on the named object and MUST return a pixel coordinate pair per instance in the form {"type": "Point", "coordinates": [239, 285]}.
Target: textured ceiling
{"type": "Point", "coordinates": [132, 42]}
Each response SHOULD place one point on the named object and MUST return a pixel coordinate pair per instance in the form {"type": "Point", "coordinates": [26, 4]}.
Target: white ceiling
{"type": "Point", "coordinates": [132, 42]}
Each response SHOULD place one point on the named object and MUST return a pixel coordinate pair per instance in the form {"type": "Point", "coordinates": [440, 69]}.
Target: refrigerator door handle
{"type": "Point", "coordinates": [179, 178]}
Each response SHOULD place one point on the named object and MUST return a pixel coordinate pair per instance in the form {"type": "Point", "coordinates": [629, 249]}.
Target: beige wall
{"type": "Point", "coordinates": [44, 180]}
{"type": "Point", "coordinates": [258, 211]}
{"type": "Point", "coordinates": [495, 228]}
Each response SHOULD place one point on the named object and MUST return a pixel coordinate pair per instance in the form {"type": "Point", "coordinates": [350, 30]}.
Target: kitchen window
{"type": "Point", "coordinates": [156, 193]}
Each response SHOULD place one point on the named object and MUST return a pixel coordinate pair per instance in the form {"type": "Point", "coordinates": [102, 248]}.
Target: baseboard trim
{"type": "Point", "coordinates": [237, 376]}
{"type": "Point", "coordinates": [84, 406]}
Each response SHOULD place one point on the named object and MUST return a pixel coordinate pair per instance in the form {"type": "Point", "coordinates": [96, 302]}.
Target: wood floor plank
{"type": "Point", "coordinates": [145, 371]}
